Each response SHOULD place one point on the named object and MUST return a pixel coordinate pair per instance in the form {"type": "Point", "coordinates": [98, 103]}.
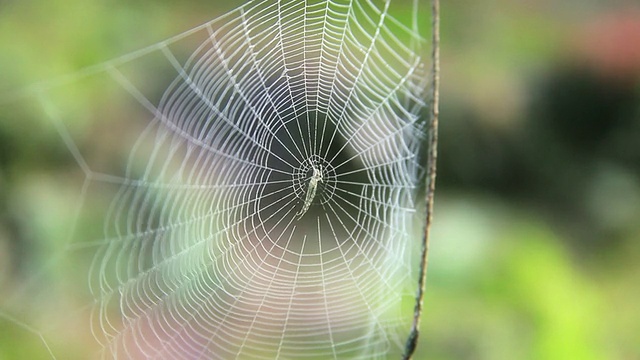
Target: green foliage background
{"type": "Point", "coordinates": [536, 245]}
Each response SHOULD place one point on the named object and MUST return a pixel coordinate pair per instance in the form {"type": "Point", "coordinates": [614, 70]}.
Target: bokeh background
{"type": "Point", "coordinates": [535, 251]}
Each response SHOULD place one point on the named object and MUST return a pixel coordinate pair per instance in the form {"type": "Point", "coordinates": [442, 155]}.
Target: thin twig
{"type": "Point", "coordinates": [412, 341]}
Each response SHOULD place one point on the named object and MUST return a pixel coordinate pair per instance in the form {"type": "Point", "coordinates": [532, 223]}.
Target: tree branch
{"type": "Point", "coordinates": [412, 341]}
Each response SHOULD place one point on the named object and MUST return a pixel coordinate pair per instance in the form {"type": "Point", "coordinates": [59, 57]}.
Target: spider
{"type": "Point", "coordinates": [316, 178]}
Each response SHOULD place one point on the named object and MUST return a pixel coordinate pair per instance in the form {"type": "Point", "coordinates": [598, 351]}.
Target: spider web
{"type": "Point", "coordinates": [267, 208]}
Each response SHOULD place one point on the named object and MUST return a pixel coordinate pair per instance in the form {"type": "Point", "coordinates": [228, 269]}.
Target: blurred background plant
{"type": "Point", "coordinates": [536, 246]}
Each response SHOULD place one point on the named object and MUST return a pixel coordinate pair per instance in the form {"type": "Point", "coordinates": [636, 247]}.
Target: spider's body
{"type": "Point", "coordinates": [316, 178]}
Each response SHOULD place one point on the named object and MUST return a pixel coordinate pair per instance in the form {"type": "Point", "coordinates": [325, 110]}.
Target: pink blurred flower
{"type": "Point", "coordinates": [611, 44]}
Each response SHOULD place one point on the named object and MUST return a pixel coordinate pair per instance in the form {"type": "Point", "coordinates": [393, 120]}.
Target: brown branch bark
{"type": "Point", "coordinates": [412, 341]}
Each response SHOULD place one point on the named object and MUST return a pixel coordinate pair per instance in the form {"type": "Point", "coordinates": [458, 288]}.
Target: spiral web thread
{"type": "Point", "coordinates": [274, 215]}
